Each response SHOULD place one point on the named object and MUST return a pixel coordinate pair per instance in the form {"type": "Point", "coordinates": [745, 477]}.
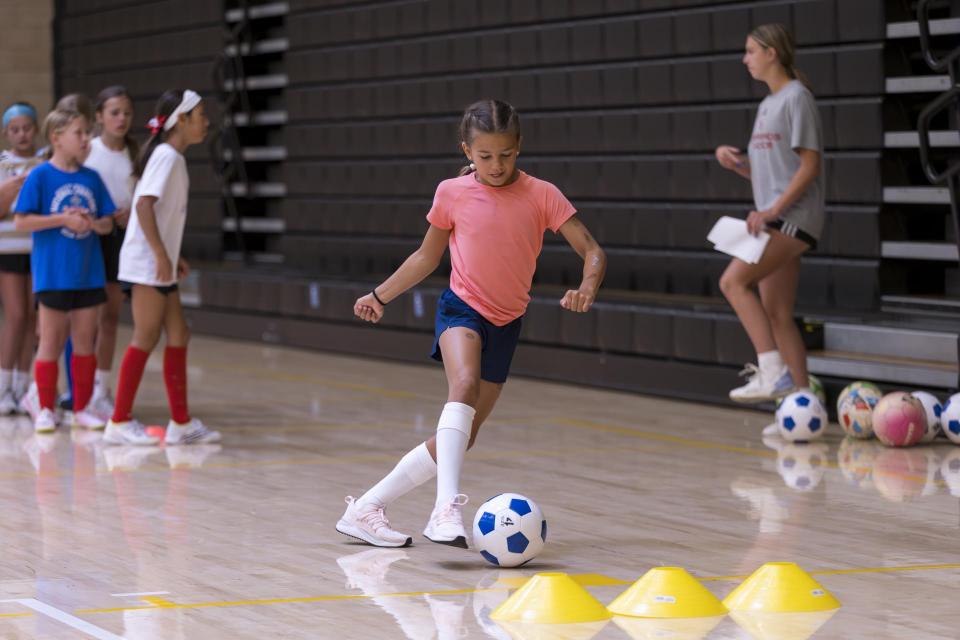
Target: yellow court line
{"type": "Point", "coordinates": [15, 615]}
{"type": "Point", "coordinates": [591, 579]}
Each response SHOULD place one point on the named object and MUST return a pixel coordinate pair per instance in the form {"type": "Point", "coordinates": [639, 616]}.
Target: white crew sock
{"type": "Point", "coordinates": [21, 381]}
{"type": "Point", "coordinates": [6, 380]}
{"type": "Point", "coordinates": [453, 435]}
{"type": "Point", "coordinates": [770, 362]}
{"type": "Point", "coordinates": [413, 470]}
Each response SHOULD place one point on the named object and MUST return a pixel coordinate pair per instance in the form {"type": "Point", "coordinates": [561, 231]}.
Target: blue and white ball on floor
{"type": "Point", "coordinates": [509, 530]}
{"type": "Point", "coordinates": [801, 417]}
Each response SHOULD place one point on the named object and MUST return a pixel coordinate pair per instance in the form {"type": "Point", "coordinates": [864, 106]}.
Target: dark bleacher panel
{"type": "Point", "coordinates": [622, 104]}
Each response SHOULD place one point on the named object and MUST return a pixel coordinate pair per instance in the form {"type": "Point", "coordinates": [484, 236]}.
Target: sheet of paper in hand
{"type": "Point", "coordinates": [730, 236]}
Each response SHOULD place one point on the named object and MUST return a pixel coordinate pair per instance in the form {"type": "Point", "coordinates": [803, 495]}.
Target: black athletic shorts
{"type": "Point", "coordinates": [71, 299]}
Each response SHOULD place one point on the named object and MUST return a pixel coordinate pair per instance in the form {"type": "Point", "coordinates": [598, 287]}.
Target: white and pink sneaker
{"type": "Point", "coordinates": [446, 523]}
{"type": "Point", "coordinates": [369, 523]}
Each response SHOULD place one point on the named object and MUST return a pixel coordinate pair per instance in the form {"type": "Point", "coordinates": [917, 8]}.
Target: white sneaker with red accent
{"type": "Point", "coordinates": [130, 432]}
{"type": "Point", "coordinates": [369, 523]}
{"type": "Point", "coordinates": [193, 432]}
{"type": "Point", "coordinates": [446, 523]}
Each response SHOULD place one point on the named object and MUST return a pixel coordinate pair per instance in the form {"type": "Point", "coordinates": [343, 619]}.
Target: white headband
{"type": "Point", "coordinates": [188, 104]}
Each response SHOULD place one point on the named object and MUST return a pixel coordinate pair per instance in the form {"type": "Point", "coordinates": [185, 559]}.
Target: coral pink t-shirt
{"type": "Point", "coordinates": [496, 236]}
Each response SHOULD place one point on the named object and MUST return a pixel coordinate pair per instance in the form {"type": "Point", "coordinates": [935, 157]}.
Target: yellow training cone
{"type": "Point", "coordinates": [667, 592]}
{"type": "Point", "coordinates": [674, 629]}
{"type": "Point", "coordinates": [781, 626]}
{"type": "Point", "coordinates": [551, 598]}
{"type": "Point", "coordinates": [780, 587]}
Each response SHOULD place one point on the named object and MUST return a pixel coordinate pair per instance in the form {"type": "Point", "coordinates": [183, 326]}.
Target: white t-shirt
{"type": "Point", "coordinates": [116, 171]}
{"type": "Point", "coordinates": [12, 241]}
{"type": "Point", "coordinates": [165, 178]}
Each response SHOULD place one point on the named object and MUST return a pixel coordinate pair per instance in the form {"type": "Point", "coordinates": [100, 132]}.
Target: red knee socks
{"type": "Point", "coordinates": [175, 377]}
{"type": "Point", "coordinates": [45, 373]}
{"type": "Point", "coordinates": [128, 381]}
{"type": "Point", "coordinates": [84, 368]}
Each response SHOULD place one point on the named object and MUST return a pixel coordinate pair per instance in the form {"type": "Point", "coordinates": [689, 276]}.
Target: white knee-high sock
{"type": "Point", "coordinates": [453, 434]}
{"type": "Point", "coordinates": [413, 470]}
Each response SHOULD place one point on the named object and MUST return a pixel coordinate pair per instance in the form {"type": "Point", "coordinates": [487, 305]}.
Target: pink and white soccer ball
{"type": "Point", "coordinates": [899, 420]}
{"type": "Point", "coordinates": [950, 418]}
{"type": "Point", "coordinates": [933, 409]}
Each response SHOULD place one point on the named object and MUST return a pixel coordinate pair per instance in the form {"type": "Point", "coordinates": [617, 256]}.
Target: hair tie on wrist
{"type": "Point", "coordinates": [377, 298]}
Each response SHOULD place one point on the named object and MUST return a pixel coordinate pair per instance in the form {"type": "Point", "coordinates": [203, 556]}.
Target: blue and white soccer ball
{"type": "Point", "coordinates": [950, 418]}
{"type": "Point", "coordinates": [509, 530]}
{"type": "Point", "coordinates": [801, 417]}
{"type": "Point", "coordinates": [933, 409]}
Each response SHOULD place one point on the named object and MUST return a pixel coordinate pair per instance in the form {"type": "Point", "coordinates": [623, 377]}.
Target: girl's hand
{"type": "Point", "coordinates": [164, 267]}
{"type": "Point", "coordinates": [757, 220]}
{"type": "Point", "coordinates": [77, 221]}
{"type": "Point", "coordinates": [121, 216]}
{"type": "Point", "coordinates": [367, 308]}
{"type": "Point", "coordinates": [578, 301]}
{"type": "Point", "coordinates": [729, 157]}
{"type": "Point", "coordinates": [183, 268]}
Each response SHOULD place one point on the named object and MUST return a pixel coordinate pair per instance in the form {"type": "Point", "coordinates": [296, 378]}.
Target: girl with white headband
{"type": "Point", "coordinates": [150, 267]}
{"type": "Point", "coordinates": [17, 338]}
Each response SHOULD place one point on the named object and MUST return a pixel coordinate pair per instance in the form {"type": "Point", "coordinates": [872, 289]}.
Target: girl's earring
{"type": "Point", "coordinates": [473, 167]}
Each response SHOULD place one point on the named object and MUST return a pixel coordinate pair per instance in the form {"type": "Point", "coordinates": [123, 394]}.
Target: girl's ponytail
{"type": "Point", "coordinates": [166, 105]}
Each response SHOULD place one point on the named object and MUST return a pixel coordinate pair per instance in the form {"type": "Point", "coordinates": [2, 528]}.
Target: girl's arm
{"type": "Point", "coordinates": [414, 269]}
{"type": "Point", "coordinates": [71, 219]}
{"type": "Point", "coordinates": [104, 225]}
{"type": "Point", "coordinates": [594, 266]}
{"type": "Point", "coordinates": [147, 218]}
{"type": "Point", "coordinates": [735, 160]}
{"type": "Point", "coordinates": [8, 193]}
{"type": "Point", "coordinates": [801, 181]}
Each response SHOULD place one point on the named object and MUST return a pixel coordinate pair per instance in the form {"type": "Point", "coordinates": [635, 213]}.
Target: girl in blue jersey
{"type": "Point", "coordinates": [66, 205]}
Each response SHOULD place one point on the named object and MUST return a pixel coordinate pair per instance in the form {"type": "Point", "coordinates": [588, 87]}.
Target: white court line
{"type": "Point", "coordinates": [141, 593]}
{"type": "Point", "coordinates": [67, 619]}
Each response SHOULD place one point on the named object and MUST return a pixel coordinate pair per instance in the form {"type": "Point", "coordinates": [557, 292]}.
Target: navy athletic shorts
{"type": "Point", "coordinates": [498, 343]}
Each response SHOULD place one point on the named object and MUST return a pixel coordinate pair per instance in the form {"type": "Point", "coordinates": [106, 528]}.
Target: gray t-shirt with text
{"type": "Point", "coordinates": [786, 121]}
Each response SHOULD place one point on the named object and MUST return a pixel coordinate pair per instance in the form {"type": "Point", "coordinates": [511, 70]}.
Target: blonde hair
{"type": "Point", "coordinates": [58, 120]}
{"type": "Point", "coordinates": [776, 36]}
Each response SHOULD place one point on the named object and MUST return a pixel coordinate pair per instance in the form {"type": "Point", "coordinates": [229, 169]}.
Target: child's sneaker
{"type": "Point", "coordinates": [763, 387]}
{"type": "Point", "coordinates": [45, 422]}
{"type": "Point", "coordinates": [30, 402]}
{"type": "Point", "coordinates": [193, 432]}
{"type": "Point", "coordinates": [369, 523]}
{"type": "Point", "coordinates": [101, 404]}
{"type": "Point", "coordinates": [8, 403]}
{"type": "Point", "coordinates": [130, 432]}
{"type": "Point", "coordinates": [446, 523]}
{"type": "Point", "coordinates": [85, 419]}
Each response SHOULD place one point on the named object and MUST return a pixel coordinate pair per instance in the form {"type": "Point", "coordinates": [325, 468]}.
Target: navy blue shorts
{"type": "Point", "coordinates": [497, 343]}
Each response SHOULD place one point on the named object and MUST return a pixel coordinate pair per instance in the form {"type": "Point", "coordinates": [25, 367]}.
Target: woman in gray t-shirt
{"type": "Point", "coordinates": [783, 165]}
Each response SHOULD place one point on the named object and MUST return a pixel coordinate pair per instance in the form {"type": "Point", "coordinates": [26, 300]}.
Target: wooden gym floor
{"type": "Point", "coordinates": [237, 540]}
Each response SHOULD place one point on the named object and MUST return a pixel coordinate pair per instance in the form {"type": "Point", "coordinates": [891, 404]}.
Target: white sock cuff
{"type": "Point", "coordinates": [418, 464]}
{"type": "Point", "coordinates": [769, 360]}
{"type": "Point", "coordinates": [457, 416]}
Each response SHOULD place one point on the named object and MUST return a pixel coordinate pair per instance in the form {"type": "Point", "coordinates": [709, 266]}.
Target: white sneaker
{"type": "Point", "coordinates": [193, 432]}
{"type": "Point", "coordinates": [369, 523]}
{"type": "Point", "coordinates": [45, 422]}
{"type": "Point", "coordinates": [30, 402]}
{"type": "Point", "coordinates": [446, 523]}
{"type": "Point", "coordinates": [101, 404]}
{"type": "Point", "coordinates": [8, 403]}
{"type": "Point", "coordinates": [761, 387]}
{"type": "Point", "coordinates": [130, 432]}
{"type": "Point", "coordinates": [86, 420]}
